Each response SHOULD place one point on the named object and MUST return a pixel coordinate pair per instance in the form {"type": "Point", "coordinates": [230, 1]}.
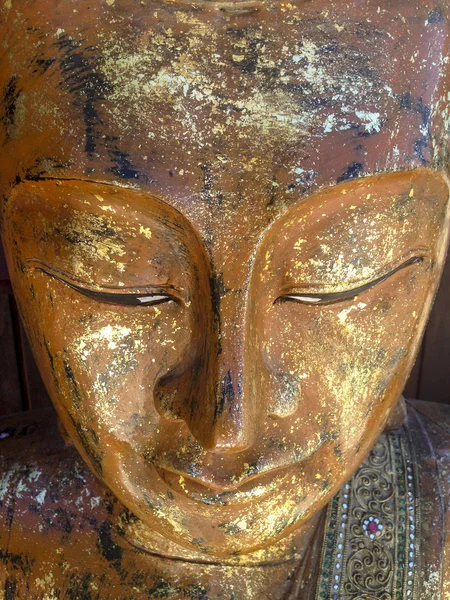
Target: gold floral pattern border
{"type": "Point", "coordinates": [371, 539]}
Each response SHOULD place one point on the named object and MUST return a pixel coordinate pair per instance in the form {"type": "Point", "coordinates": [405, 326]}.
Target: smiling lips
{"type": "Point", "coordinates": [253, 483]}
{"type": "Point", "coordinates": [238, 492]}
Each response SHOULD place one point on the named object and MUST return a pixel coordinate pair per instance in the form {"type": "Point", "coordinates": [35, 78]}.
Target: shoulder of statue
{"type": "Point", "coordinates": [429, 430]}
{"type": "Point", "coordinates": [31, 436]}
{"type": "Point", "coordinates": [429, 422]}
{"type": "Point", "coordinates": [49, 500]}
{"type": "Point", "coordinates": [39, 471]}
{"type": "Point", "coordinates": [37, 467]}
{"type": "Point", "coordinates": [435, 418]}
{"type": "Point", "coordinates": [61, 530]}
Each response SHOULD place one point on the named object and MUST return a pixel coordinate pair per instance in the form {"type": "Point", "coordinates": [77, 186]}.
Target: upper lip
{"type": "Point", "coordinates": [232, 484]}
{"type": "Point", "coordinates": [217, 481]}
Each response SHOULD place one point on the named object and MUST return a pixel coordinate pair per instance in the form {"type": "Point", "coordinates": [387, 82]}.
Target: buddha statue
{"type": "Point", "coordinates": [225, 223]}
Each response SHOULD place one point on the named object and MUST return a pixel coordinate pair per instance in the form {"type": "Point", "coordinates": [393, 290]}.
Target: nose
{"type": "Point", "coordinates": [213, 394]}
{"type": "Point", "coordinates": [234, 422]}
{"type": "Point", "coordinates": [228, 421]}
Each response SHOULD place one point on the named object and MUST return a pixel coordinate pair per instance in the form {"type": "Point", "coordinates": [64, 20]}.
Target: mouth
{"type": "Point", "coordinates": [214, 484]}
{"type": "Point", "coordinates": [241, 491]}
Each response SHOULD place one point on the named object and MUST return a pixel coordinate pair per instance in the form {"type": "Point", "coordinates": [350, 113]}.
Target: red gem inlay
{"type": "Point", "coordinates": [372, 527]}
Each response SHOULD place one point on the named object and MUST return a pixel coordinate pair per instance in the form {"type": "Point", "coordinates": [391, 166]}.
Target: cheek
{"type": "Point", "coordinates": [342, 360]}
{"type": "Point", "coordinates": [106, 359]}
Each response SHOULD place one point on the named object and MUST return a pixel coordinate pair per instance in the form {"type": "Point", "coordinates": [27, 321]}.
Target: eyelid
{"type": "Point", "coordinates": [330, 298]}
{"type": "Point", "coordinates": [131, 296]}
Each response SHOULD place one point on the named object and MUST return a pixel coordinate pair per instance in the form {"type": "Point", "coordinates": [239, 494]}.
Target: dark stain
{"type": "Point", "coordinates": [225, 396]}
{"type": "Point", "coordinates": [148, 501]}
{"type": "Point", "coordinates": [384, 305]}
{"type": "Point", "coordinates": [353, 171]}
{"type": "Point", "coordinates": [34, 508]}
{"type": "Point", "coordinates": [252, 51]}
{"type": "Point", "coordinates": [435, 16]}
{"type": "Point", "coordinates": [197, 541]}
{"type": "Point", "coordinates": [416, 105]}
{"type": "Point", "coordinates": [218, 290]}
{"type": "Point", "coordinates": [220, 499]}
{"type": "Point", "coordinates": [161, 589]}
{"type": "Point", "coordinates": [230, 528]}
{"type": "Point", "coordinates": [78, 588]}
{"type": "Point", "coordinates": [76, 396]}
{"type": "Point", "coordinates": [89, 439]}
{"type": "Point", "coordinates": [419, 148]}
{"type": "Point", "coordinates": [207, 193]}
{"type": "Point", "coordinates": [10, 588]}
{"type": "Point", "coordinates": [337, 451]}
{"type": "Point", "coordinates": [108, 504]}
{"type": "Point", "coordinates": [406, 100]}
{"type": "Point", "coordinates": [41, 166]}
{"type": "Point", "coordinates": [277, 443]}
{"type": "Point", "coordinates": [102, 230]}
{"type": "Point", "coordinates": [80, 77]}
{"type": "Point", "coordinates": [52, 364]}
{"type": "Point", "coordinates": [282, 525]}
{"type": "Point", "coordinates": [9, 516]}
{"type": "Point", "coordinates": [86, 319]}
{"type": "Point", "coordinates": [86, 86]}
{"type": "Point", "coordinates": [123, 166]}
{"type": "Point", "coordinates": [10, 97]}
{"type": "Point", "coordinates": [63, 521]}
{"type": "Point", "coordinates": [272, 192]}
{"type": "Point", "coordinates": [42, 65]}
{"type": "Point", "coordinates": [18, 562]}
{"type": "Point", "coordinates": [109, 549]}
{"type": "Point", "coordinates": [39, 65]}
{"type": "Point", "coordinates": [137, 579]}
{"type": "Point", "coordinates": [108, 380]}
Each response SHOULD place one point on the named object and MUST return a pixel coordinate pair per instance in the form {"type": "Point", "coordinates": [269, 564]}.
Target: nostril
{"type": "Point", "coordinates": [167, 405]}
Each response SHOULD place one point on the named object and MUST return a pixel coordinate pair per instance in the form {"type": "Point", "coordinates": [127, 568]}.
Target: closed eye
{"type": "Point", "coordinates": [128, 299]}
{"type": "Point", "coordinates": [317, 298]}
{"type": "Point", "coordinates": [116, 295]}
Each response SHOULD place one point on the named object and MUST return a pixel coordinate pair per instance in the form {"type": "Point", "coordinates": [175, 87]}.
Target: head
{"type": "Point", "coordinates": [223, 298]}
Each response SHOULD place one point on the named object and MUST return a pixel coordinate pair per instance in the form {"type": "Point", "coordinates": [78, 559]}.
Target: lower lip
{"type": "Point", "coordinates": [256, 487]}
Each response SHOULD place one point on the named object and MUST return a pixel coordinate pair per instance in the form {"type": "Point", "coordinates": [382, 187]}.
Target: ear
{"type": "Point", "coordinates": [397, 416]}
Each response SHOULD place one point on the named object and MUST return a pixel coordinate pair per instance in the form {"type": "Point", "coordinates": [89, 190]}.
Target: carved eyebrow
{"type": "Point", "coordinates": [142, 296]}
{"type": "Point", "coordinates": [324, 298]}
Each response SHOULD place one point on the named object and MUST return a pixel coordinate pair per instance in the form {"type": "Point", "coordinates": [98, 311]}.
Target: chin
{"type": "Point", "coordinates": [251, 517]}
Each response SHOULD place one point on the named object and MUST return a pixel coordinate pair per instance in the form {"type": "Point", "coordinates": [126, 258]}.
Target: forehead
{"type": "Point", "coordinates": [385, 213]}
{"type": "Point", "coordinates": [224, 111]}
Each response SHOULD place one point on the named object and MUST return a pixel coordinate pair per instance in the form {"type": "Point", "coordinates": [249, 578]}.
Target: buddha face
{"type": "Point", "coordinates": [223, 299]}
{"type": "Point", "coordinates": [224, 387]}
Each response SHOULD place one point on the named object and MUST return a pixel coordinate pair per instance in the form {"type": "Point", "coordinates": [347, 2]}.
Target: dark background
{"type": "Point", "coordinates": [21, 387]}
